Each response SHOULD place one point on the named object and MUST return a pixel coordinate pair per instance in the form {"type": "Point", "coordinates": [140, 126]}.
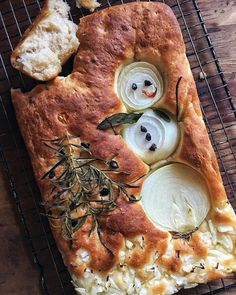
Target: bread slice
{"type": "Point", "coordinates": [47, 43]}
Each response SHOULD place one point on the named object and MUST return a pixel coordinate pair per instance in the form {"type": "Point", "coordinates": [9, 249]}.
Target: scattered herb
{"type": "Point", "coordinates": [184, 236]}
{"type": "Point", "coordinates": [142, 244]}
{"type": "Point", "coordinates": [153, 147]}
{"type": "Point", "coordinates": [80, 187]}
{"type": "Point", "coordinates": [147, 83]}
{"type": "Point", "coordinates": [119, 119]}
{"type": "Point", "coordinates": [148, 137]}
{"type": "Point", "coordinates": [133, 198]}
{"type": "Point", "coordinates": [134, 86]}
{"type": "Point", "coordinates": [143, 129]}
{"type": "Point", "coordinates": [201, 266]}
{"type": "Point", "coordinates": [99, 232]}
{"type": "Point", "coordinates": [163, 115]}
{"type": "Point", "coordinates": [177, 98]}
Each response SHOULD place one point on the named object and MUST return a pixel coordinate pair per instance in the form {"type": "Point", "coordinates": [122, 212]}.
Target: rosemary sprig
{"type": "Point", "coordinates": [82, 189]}
{"type": "Point", "coordinates": [177, 98]}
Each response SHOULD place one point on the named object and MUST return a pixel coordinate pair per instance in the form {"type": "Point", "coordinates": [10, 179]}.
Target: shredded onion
{"type": "Point", "coordinates": [165, 135]}
{"type": "Point", "coordinates": [143, 96]}
{"type": "Point", "coordinates": [176, 198]}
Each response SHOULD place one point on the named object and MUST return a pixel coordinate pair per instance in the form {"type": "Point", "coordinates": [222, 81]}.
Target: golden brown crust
{"type": "Point", "coordinates": [77, 103]}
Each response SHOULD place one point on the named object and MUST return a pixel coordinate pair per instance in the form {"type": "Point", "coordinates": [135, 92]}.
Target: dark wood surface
{"type": "Point", "coordinates": [220, 19]}
{"type": "Point", "coordinates": [18, 274]}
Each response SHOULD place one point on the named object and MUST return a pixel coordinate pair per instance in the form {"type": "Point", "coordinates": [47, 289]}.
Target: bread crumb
{"type": "Point", "coordinates": [88, 4]}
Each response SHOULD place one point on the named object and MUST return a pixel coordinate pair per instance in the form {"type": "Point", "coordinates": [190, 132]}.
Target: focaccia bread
{"type": "Point", "coordinates": [47, 44]}
{"type": "Point", "coordinates": [133, 211]}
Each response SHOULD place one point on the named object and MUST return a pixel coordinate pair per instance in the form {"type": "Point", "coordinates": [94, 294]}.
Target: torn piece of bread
{"type": "Point", "coordinates": [47, 44]}
{"type": "Point", "coordinates": [88, 4]}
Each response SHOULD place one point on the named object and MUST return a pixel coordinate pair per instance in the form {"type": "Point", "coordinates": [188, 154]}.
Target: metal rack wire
{"type": "Point", "coordinates": [217, 107]}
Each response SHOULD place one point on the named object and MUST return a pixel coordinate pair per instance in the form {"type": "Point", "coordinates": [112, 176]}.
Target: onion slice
{"type": "Point", "coordinates": [176, 198]}
{"type": "Point", "coordinates": [139, 85]}
{"type": "Point", "coordinates": [162, 134]}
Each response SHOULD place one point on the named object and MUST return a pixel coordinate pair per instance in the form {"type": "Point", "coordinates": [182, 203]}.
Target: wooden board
{"type": "Point", "coordinates": [220, 19]}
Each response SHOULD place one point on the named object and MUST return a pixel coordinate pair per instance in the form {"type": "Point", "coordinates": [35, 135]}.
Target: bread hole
{"type": "Point", "coordinates": [124, 28]}
{"type": "Point", "coordinates": [63, 117]}
{"type": "Point", "coordinates": [102, 30]}
{"type": "Point", "coordinates": [144, 43]}
{"type": "Point", "coordinates": [51, 28]}
{"type": "Point", "coordinates": [31, 99]}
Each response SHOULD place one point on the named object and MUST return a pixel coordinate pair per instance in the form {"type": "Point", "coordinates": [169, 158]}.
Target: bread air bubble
{"type": "Point", "coordinates": [176, 198]}
{"type": "Point", "coordinates": [153, 137]}
{"type": "Point", "coordinates": [140, 85]}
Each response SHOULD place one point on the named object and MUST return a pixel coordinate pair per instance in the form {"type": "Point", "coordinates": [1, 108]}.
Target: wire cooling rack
{"type": "Point", "coordinates": [217, 107]}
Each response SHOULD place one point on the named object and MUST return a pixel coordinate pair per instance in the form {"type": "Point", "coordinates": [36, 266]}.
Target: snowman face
{"type": "Point", "coordinates": [140, 85]}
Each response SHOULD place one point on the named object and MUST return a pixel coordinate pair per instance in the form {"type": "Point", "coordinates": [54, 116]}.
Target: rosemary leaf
{"type": "Point", "coordinates": [133, 199]}
{"type": "Point", "coordinates": [185, 236]}
{"type": "Point", "coordinates": [80, 222]}
{"type": "Point", "coordinates": [53, 168]}
{"type": "Point", "coordinates": [177, 98]}
{"type": "Point", "coordinates": [99, 232]}
{"type": "Point", "coordinates": [56, 141]}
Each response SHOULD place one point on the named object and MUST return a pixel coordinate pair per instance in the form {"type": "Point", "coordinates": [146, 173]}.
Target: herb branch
{"type": "Point", "coordinates": [80, 188]}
